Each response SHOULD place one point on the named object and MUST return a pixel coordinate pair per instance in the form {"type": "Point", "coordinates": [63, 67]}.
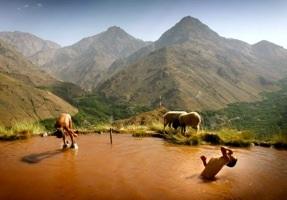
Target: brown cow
{"type": "Point", "coordinates": [64, 128]}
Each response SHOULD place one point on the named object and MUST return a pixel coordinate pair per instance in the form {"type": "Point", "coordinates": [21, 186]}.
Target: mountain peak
{"type": "Point", "coordinates": [114, 32]}
{"type": "Point", "coordinates": [115, 28]}
{"type": "Point", "coordinates": [266, 44]}
{"type": "Point", "coordinates": [189, 19]}
{"type": "Point", "coordinates": [266, 49]}
{"type": "Point", "coordinates": [187, 29]}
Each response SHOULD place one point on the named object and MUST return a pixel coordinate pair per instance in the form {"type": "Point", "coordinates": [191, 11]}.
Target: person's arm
{"type": "Point", "coordinates": [226, 153]}
{"type": "Point", "coordinates": [203, 158]}
{"type": "Point", "coordinates": [229, 152]}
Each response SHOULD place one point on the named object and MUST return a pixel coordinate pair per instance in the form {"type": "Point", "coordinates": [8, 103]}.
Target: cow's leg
{"type": "Point", "coordinates": [182, 129]}
{"type": "Point", "coordinates": [169, 124]}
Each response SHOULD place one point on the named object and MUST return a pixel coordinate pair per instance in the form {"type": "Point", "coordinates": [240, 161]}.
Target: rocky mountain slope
{"type": "Point", "coordinates": [21, 98]}
{"type": "Point", "coordinates": [26, 43]}
{"type": "Point", "coordinates": [21, 102]}
{"type": "Point", "coordinates": [84, 62]}
{"type": "Point", "coordinates": [192, 67]}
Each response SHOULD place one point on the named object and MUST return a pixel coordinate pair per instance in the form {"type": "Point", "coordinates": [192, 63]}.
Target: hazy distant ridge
{"type": "Point", "coordinates": [84, 62]}
{"type": "Point", "coordinates": [192, 67]}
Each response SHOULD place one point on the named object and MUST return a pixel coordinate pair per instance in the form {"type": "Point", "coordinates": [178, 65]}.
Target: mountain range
{"type": "Point", "coordinates": [22, 95]}
{"type": "Point", "coordinates": [192, 67]}
{"type": "Point", "coordinates": [189, 67]}
{"type": "Point", "coordinates": [84, 62]}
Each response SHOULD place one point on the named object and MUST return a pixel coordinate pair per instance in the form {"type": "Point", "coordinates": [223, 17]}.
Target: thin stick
{"type": "Point", "coordinates": [111, 136]}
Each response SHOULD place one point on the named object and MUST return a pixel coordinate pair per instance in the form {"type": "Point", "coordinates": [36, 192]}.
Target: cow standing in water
{"type": "Point", "coordinates": [64, 128]}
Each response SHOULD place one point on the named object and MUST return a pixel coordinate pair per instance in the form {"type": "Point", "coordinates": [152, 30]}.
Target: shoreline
{"type": "Point", "coordinates": [205, 138]}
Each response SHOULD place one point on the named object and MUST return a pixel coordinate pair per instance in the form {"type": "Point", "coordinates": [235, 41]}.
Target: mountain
{"type": "Point", "coordinates": [192, 67]}
{"type": "Point", "coordinates": [16, 65]}
{"type": "Point", "coordinates": [21, 102]}
{"type": "Point", "coordinates": [186, 30]}
{"type": "Point", "coordinates": [270, 54]}
{"type": "Point", "coordinates": [37, 50]}
{"type": "Point", "coordinates": [26, 43]}
{"type": "Point", "coordinates": [84, 62]}
{"type": "Point", "coordinates": [22, 98]}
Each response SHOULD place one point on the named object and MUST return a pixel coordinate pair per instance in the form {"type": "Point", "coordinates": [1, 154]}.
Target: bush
{"type": "Point", "coordinates": [280, 145]}
{"type": "Point", "coordinates": [211, 138]}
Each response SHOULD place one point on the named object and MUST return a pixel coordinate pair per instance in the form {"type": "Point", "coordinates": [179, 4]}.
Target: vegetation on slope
{"type": "Point", "coordinates": [241, 124]}
{"type": "Point", "coordinates": [94, 109]}
{"type": "Point", "coordinates": [264, 118]}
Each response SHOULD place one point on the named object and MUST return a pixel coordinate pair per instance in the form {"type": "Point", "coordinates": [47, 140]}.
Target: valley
{"type": "Point", "coordinates": [112, 75]}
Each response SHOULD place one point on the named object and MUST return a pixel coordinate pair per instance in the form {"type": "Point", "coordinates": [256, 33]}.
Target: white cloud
{"type": "Point", "coordinates": [29, 6]}
{"type": "Point", "coordinates": [39, 5]}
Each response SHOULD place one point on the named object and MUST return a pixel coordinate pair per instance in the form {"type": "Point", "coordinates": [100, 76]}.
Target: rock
{"type": "Point", "coordinates": [45, 134]}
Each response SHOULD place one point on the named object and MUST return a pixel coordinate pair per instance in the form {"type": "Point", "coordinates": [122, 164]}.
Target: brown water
{"type": "Point", "coordinates": [134, 168]}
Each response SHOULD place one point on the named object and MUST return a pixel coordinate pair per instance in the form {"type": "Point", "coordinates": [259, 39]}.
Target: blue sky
{"type": "Point", "coordinates": [68, 21]}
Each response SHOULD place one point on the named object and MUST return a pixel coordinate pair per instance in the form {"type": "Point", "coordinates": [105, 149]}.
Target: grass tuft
{"type": "Point", "coordinates": [21, 130]}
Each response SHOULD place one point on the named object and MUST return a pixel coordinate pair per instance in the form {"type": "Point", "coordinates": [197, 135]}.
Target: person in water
{"type": "Point", "coordinates": [214, 165]}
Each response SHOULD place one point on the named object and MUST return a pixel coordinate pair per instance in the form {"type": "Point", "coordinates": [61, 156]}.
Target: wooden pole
{"type": "Point", "coordinates": [111, 136]}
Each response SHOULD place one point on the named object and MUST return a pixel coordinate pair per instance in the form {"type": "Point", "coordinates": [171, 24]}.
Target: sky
{"type": "Point", "coordinates": [68, 21]}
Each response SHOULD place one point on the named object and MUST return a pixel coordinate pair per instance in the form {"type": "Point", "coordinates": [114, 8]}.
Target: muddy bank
{"type": "Point", "coordinates": [134, 168]}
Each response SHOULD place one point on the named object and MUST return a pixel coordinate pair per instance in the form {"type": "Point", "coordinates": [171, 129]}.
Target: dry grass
{"type": "Point", "coordinates": [225, 136]}
{"type": "Point", "coordinates": [232, 137]}
{"type": "Point", "coordinates": [21, 130]}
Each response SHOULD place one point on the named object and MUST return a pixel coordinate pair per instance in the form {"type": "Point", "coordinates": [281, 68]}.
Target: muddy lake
{"type": "Point", "coordinates": [134, 168]}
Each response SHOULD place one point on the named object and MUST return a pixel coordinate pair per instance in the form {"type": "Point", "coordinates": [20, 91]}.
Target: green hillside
{"type": "Point", "coordinates": [264, 117]}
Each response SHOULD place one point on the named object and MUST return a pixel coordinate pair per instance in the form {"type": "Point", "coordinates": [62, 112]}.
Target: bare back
{"type": "Point", "coordinates": [64, 121]}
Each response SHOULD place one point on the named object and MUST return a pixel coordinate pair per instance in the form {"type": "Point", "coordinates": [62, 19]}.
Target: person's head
{"type": "Point", "coordinates": [232, 161]}
{"type": "Point", "coordinates": [58, 133]}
